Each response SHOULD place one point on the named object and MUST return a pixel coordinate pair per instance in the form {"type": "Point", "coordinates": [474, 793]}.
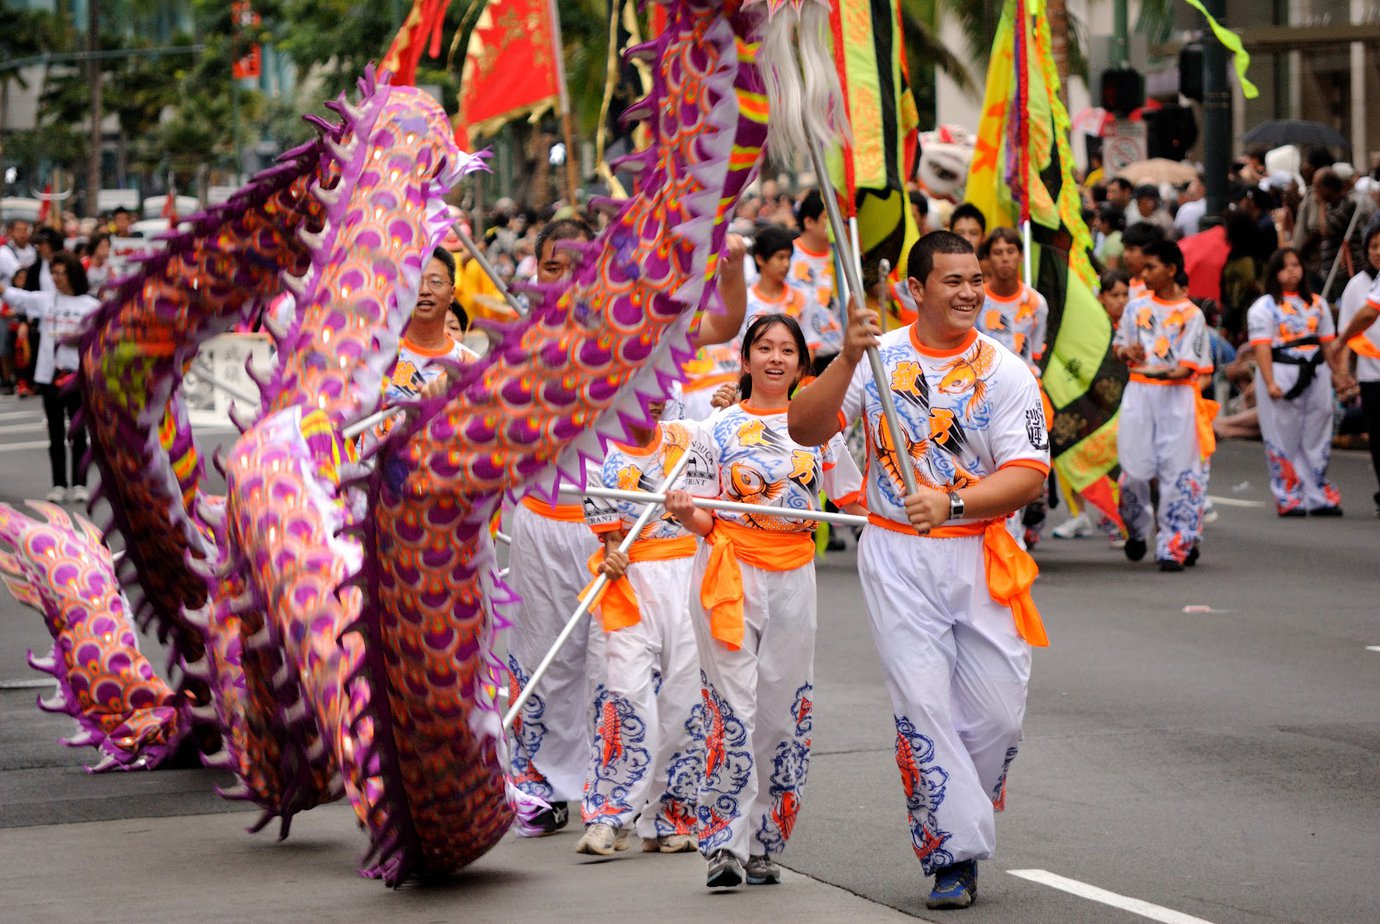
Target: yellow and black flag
{"type": "Point", "coordinates": [1023, 169]}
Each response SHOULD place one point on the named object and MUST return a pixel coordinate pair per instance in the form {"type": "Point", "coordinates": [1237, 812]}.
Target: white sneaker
{"type": "Point", "coordinates": [77, 494]}
{"type": "Point", "coordinates": [57, 495]}
{"type": "Point", "coordinates": [603, 839]}
{"type": "Point", "coordinates": [1079, 527]}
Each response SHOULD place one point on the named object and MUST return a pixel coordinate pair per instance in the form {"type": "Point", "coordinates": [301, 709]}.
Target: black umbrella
{"type": "Point", "coordinates": [1296, 131]}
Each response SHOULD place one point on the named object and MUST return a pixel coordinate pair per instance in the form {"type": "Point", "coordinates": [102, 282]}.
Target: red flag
{"type": "Point", "coordinates": [421, 29]}
{"type": "Point", "coordinates": [170, 206]}
{"type": "Point", "coordinates": [251, 65]}
{"type": "Point", "coordinates": [510, 66]}
{"type": "Point", "coordinates": [45, 208]}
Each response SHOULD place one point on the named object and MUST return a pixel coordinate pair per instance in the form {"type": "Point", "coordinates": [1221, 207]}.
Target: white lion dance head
{"type": "Point", "coordinates": [945, 154]}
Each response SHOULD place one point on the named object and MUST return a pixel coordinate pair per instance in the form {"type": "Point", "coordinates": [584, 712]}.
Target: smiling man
{"type": "Point", "coordinates": [946, 586]}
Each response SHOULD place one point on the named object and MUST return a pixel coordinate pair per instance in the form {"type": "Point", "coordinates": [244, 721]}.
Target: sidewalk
{"type": "Point", "coordinates": [206, 868]}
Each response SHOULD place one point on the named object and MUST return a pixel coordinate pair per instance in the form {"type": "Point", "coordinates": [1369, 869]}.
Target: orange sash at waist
{"type": "Point", "coordinates": [1362, 346]}
{"type": "Point", "coordinates": [617, 602]}
{"type": "Point", "coordinates": [565, 513]}
{"type": "Point", "coordinates": [1011, 572]}
{"type": "Point", "coordinates": [721, 593]}
{"type": "Point", "coordinates": [1204, 412]}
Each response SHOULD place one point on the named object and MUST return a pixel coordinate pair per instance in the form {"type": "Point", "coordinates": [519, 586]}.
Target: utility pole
{"type": "Point", "coordinates": [1216, 116]}
{"type": "Point", "coordinates": [93, 156]}
{"type": "Point", "coordinates": [1121, 42]}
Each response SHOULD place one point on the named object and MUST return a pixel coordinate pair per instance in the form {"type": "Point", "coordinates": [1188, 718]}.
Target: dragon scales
{"type": "Point", "coordinates": [348, 608]}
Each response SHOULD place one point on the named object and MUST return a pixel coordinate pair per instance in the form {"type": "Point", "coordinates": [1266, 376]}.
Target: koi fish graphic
{"type": "Point", "coordinates": [969, 373]}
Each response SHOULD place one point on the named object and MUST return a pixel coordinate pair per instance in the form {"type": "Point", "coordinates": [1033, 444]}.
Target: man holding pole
{"type": "Point", "coordinates": [947, 588]}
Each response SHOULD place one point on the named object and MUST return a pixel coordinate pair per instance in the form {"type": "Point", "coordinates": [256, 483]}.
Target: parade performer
{"type": "Point", "coordinates": [1165, 430]}
{"type": "Point", "coordinates": [547, 559]}
{"type": "Point", "coordinates": [1134, 241]}
{"type": "Point", "coordinates": [946, 587]}
{"type": "Point", "coordinates": [648, 755]}
{"type": "Point", "coordinates": [1012, 313]}
{"type": "Point", "coordinates": [427, 338]}
{"type": "Point", "coordinates": [1366, 346]}
{"type": "Point", "coordinates": [778, 290]}
{"type": "Point", "coordinates": [59, 314]}
{"type": "Point", "coordinates": [812, 272]}
{"type": "Point", "coordinates": [753, 608]}
{"type": "Point", "coordinates": [1288, 327]}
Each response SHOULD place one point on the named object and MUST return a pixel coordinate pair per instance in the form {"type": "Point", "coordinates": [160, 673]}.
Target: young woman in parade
{"type": "Point", "coordinates": [752, 604]}
{"type": "Point", "coordinates": [1365, 345]}
{"type": "Point", "coordinates": [1288, 327]}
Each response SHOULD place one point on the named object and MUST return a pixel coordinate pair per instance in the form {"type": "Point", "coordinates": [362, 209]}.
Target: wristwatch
{"type": "Point", "coordinates": [955, 506]}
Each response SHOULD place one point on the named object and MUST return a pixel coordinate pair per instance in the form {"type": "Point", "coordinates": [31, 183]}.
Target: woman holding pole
{"type": "Point", "coordinates": [752, 604]}
{"type": "Point", "coordinates": [646, 757]}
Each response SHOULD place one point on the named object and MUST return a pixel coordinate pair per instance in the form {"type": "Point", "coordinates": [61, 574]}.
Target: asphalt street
{"type": "Point", "coordinates": [1201, 746]}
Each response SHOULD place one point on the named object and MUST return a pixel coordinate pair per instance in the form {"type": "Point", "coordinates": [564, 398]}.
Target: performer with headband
{"type": "Point", "coordinates": [946, 586]}
{"type": "Point", "coordinates": [752, 603]}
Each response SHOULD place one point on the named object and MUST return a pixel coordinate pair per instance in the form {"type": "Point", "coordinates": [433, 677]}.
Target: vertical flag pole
{"type": "Point", "coordinates": [1023, 130]}
{"type": "Point", "coordinates": [572, 176]}
{"type": "Point", "coordinates": [854, 277]}
{"type": "Point", "coordinates": [884, 297]}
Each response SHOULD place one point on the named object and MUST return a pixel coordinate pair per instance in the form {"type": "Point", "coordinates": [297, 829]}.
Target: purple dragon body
{"type": "Point", "coordinates": [341, 613]}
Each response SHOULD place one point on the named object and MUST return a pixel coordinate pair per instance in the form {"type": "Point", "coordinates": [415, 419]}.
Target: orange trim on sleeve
{"type": "Point", "coordinates": [1361, 345]}
{"type": "Point", "coordinates": [1268, 341]}
{"type": "Point", "coordinates": [1327, 338]}
{"type": "Point", "coordinates": [843, 421]}
{"type": "Point", "coordinates": [564, 513]}
{"type": "Point", "coordinates": [1036, 464]}
{"type": "Point", "coordinates": [430, 354]}
{"type": "Point", "coordinates": [854, 497]}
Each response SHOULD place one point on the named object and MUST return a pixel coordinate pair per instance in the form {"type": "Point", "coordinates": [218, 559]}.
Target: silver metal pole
{"type": "Point", "coordinates": [592, 594]}
{"type": "Point", "coordinates": [884, 300]}
{"type": "Point", "coordinates": [850, 269]}
{"type": "Point", "coordinates": [642, 497]}
{"type": "Point", "coordinates": [1028, 256]}
{"type": "Point", "coordinates": [373, 420]}
{"type": "Point", "coordinates": [488, 268]}
{"type": "Point", "coordinates": [203, 372]}
{"type": "Point", "coordinates": [1346, 238]}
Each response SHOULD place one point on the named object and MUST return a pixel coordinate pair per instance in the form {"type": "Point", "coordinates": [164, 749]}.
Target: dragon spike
{"type": "Point", "coordinates": [108, 762]}
{"type": "Point", "coordinates": [82, 739]}
{"type": "Point", "coordinates": [237, 793]}
{"type": "Point", "coordinates": [259, 373]}
{"type": "Point", "coordinates": [342, 152]}
{"type": "Point", "coordinates": [56, 703]}
{"type": "Point", "coordinates": [329, 197]}
{"type": "Point", "coordinates": [297, 285]}
{"type": "Point", "coordinates": [346, 110]}
{"type": "Point", "coordinates": [238, 417]}
{"type": "Point", "coordinates": [218, 460]}
{"type": "Point", "coordinates": [46, 665]}
{"type": "Point", "coordinates": [323, 127]}
{"type": "Point", "coordinates": [203, 715]}
{"type": "Point", "coordinates": [218, 761]}
{"type": "Point", "coordinates": [312, 240]}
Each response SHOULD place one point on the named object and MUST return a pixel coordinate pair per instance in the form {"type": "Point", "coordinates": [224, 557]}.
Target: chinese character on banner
{"type": "Point", "coordinates": [251, 65]}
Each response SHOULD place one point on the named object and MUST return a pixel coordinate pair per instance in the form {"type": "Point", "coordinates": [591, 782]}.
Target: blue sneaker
{"type": "Point", "coordinates": [954, 886]}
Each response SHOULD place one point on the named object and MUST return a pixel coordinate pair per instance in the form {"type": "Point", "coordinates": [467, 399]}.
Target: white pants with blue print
{"type": "Point", "coordinates": [648, 754]}
{"type": "Point", "coordinates": [1298, 440]}
{"type": "Point", "coordinates": [957, 672]}
{"type": "Point", "coordinates": [1157, 438]}
{"type": "Point", "coordinates": [756, 712]}
{"type": "Point", "coordinates": [550, 741]}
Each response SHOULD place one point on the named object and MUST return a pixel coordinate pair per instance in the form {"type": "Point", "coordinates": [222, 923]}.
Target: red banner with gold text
{"type": "Point", "coordinates": [510, 66]}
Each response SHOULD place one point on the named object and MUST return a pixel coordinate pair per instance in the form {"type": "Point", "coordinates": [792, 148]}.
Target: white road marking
{"type": "Point", "coordinates": [38, 684]}
{"type": "Point", "coordinates": [35, 414]}
{"type": "Point", "coordinates": [15, 428]}
{"type": "Point", "coordinates": [1093, 893]}
{"type": "Point", "coordinates": [1234, 502]}
{"type": "Point", "coordinates": [1373, 648]}
{"type": "Point", "coordinates": [19, 447]}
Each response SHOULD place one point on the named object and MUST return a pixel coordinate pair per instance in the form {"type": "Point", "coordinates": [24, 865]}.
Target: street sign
{"type": "Point", "coordinates": [1123, 144]}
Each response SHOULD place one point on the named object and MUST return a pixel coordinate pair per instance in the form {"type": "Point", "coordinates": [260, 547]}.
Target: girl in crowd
{"type": "Point", "coordinates": [752, 604]}
{"type": "Point", "coordinates": [59, 314]}
{"type": "Point", "coordinates": [1287, 327]}
{"type": "Point", "coordinates": [97, 264]}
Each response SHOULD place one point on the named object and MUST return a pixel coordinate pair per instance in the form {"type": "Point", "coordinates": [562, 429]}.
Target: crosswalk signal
{"type": "Point", "coordinates": [1123, 90]}
{"type": "Point", "coordinates": [1191, 59]}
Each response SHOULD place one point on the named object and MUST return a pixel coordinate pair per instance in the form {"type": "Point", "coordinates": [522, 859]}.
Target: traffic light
{"type": "Point", "coordinates": [1123, 90]}
{"type": "Point", "coordinates": [1170, 132]}
{"type": "Point", "coordinates": [1191, 71]}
